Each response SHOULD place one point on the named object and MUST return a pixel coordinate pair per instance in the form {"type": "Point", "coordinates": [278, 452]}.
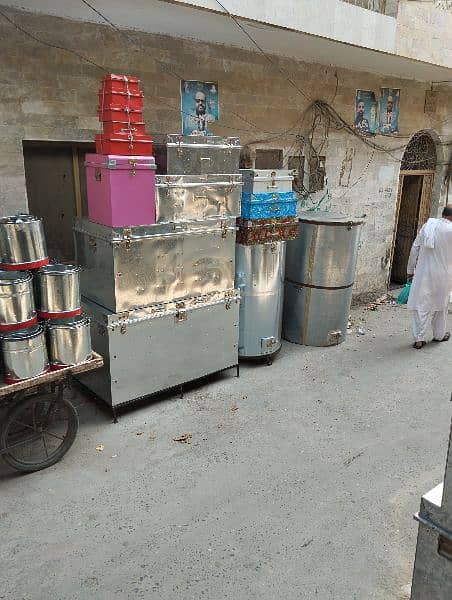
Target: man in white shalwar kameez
{"type": "Point", "coordinates": [430, 266]}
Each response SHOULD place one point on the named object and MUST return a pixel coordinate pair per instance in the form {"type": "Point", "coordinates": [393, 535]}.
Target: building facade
{"type": "Point", "coordinates": [290, 77]}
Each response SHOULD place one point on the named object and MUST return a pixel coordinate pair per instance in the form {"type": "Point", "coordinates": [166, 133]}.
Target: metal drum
{"type": "Point", "coordinates": [58, 291]}
{"type": "Point", "coordinates": [17, 306]}
{"type": "Point", "coordinates": [69, 341]}
{"type": "Point", "coordinates": [24, 354]}
{"type": "Point", "coordinates": [260, 278]}
{"type": "Point", "coordinates": [320, 272]}
{"type": "Point", "coordinates": [22, 243]}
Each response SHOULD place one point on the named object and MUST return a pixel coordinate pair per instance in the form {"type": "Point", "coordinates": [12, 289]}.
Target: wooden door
{"type": "Point", "coordinates": [407, 225]}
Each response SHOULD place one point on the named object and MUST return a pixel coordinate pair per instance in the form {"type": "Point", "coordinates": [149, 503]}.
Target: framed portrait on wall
{"type": "Point", "coordinates": [365, 111]}
{"type": "Point", "coordinates": [199, 106]}
{"type": "Point", "coordinates": [389, 110]}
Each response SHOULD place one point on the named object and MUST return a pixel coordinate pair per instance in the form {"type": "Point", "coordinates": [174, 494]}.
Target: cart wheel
{"type": "Point", "coordinates": [38, 432]}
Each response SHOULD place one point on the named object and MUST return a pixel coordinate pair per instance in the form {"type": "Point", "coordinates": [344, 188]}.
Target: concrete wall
{"type": "Point", "coordinates": [424, 32]}
{"type": "Point", "coordinates": [48, 94]}
{"type": "Point", "coordinates": [327, 18]}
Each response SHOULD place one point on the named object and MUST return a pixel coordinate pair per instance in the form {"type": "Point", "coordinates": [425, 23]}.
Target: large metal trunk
{"type": "Point", "coordinates": [315, 317]}
{"type": "Point", "coordinates": [192, 155]}
{"type": "Point", "coordinates": [129, 268]}
{"type": "Point", "coordinates": [260, 279]}
{"type": "Point", "coordinates": [320, 272]}
{"type": "Point", "coordinates": [197, 197]}
{"type": "Point", "coordinates": [156, 348]}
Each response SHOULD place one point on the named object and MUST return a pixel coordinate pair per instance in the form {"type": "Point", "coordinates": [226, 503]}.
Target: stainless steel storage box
{"type": "Point", "coordinates": [197, 197]}
{"type": "Point", "coordinates": [58, 289]}
{"type": "Point", "coordinates": [260, 279]}
{"type": "Point", "coordinates": [16, 299]}
{"type": "Point", "coordinates": [320, 272]}
{"type": "Point", "coordinates": [69, 341]}
{"type": "Point", "coordinates": [198, 155]}
{"type": "Point", "coordinates": [315, 317]}
{"type": "Point", "coordinates": [261, 181]}
{"type": "Point", "coordinates": [22, 241]}
{"type": "Point", "coordinates": [24, 354]}
{"type": "Point", "coordinates": [124, 269]}
{"type": "Point", "coordinates": [155, 348]}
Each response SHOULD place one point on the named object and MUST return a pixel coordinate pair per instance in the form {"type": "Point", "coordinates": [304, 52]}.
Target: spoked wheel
{"type": "Point", "coordinates": [38, 431]}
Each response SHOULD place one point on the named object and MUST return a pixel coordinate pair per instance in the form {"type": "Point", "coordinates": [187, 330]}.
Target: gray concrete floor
{"type": "Point", "coordinates": [306, 490]}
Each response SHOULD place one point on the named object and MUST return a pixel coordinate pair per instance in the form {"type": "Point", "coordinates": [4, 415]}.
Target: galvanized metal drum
{"type": "Point", "coordinates": [22, 243]}
{"type": "Point", "coordinates": [24, 354]}
{"type": "Point", "coordinates": [58, 291]}
{"type": "Point", "coordinates": [17, 306]}
{"type": "Point", "coordinates": [325, 251]}
{"type": "Point", "coordinates": [69, 341]}
{"type": "Point", "coordinates": [260, 278]}
{"type": "Point", "coordinates": [315, 317]}
{"type": "Point", "coordinates": [320, 272]}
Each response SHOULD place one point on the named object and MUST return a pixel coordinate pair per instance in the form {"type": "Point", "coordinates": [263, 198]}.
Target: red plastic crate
{"type": "Point", "coordinates": [120, 83]}
{"type": "Point", "coordinates": [111, 128]}
{"type": "Point", "coordinates": [121, 114]}
{"type": "Point", "coordinates": [140, 145]}
{"type": "Point", "coordinates": [120, 100]}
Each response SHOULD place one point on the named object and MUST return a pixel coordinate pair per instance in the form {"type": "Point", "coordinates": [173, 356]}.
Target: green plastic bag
{"type": "Point", "coordinates": [403, 296]}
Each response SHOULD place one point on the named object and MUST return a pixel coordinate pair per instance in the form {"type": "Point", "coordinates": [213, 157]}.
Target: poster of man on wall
{"type": "Point", "coordinates": [199, 105]}
{"type": "Point", "coordinates": [365, 111]}
{"type": "Point", "coordinates": [389, 110]}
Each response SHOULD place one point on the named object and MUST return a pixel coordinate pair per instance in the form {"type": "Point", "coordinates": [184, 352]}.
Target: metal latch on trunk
{"type": "Point", "coordinates": [224, 229]}
{"type": "Point", "coordinates": [133, 164]}
{"type": "Point", "coordinates": [181, 312]}
{"type": "Point", "coordinates": [127, 238]}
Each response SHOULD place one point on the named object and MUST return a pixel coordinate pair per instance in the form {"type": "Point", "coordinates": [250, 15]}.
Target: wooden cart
{"type": "Point", "coordinates": [40, 424]}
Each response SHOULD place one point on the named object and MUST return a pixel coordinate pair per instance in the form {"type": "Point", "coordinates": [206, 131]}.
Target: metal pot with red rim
{"type": "Point", "coordinates": [69, 341]}
{"type": "Point", "coordinates": [22, 243]}
{"type": "Point", "coordinates": [58, 291]}
{"type": "Point", "coordinates": [24, 354]}
{"type": "Point", "coordinates": [17, 305]}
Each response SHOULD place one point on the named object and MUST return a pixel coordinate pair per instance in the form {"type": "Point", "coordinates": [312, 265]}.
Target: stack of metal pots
{"type": "Point", "coordinates": [320, 272]}
{"type": "Point", "coordinates": [267, 221]}
{"type": "Point", "coordinates": [161, 295]}
{"type": "Point", "coordinates": [26, 295]}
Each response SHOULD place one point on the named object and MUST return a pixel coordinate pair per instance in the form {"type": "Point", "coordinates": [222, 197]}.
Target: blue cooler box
{"type": "Point", "coordinates": [269, 205]}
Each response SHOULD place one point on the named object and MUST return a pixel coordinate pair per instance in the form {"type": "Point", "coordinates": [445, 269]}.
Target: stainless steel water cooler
{"type": "Point", "coordinates": [260, 279]}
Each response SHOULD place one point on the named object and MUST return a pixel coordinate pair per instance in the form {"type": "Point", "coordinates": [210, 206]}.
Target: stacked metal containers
{"type": "Point", "coordinates": [161, 295]}
{"type": "Point", "coordinates": [320, 273]}
{"type": "Point", "coordinates": [52, 289]}
{"type": "Point", "coordinates": [267, 221]}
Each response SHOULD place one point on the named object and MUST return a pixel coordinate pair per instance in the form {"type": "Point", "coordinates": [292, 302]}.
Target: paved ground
{"type": "Point", "coordinates": [305, 491]}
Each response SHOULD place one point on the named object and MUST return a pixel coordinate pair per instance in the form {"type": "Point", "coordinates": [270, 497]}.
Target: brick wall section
{"type": "Point", "coordinates": [47, 94]}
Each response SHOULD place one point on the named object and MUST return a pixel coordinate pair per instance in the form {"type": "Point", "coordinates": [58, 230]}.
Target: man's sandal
{"type": "Point", "coordinates": [419, 345]}
{"type": "Point", "coordinates": [446, 338]}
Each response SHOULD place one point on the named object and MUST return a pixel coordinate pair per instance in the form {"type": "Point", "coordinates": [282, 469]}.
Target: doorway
{"type": "Point", "coordinates": [414, 201]}
{"type": "Point", "coordinates": [56, 190]}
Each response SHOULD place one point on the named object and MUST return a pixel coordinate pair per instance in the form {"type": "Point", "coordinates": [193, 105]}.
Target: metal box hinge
{"type": "Point", "coordinates": [181, 312]}
{"type": "Point", "coordinates": [133, 164]}
{"type": "Point", "coordinates": [224, 229]}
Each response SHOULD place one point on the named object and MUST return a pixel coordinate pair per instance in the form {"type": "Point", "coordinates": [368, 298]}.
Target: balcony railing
{"type": "Point", "coordinates": [385, 7]}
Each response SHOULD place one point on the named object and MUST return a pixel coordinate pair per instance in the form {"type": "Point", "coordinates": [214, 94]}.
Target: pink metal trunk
{"type": "Point", "coordinates": [120, 189]}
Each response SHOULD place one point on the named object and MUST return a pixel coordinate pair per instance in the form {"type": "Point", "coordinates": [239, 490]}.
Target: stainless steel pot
{"type": "Point", "coordinates": [69, 341]}
{"type": "Point", "coordinates": [16, 299]}
{"type": "Point", "coordinates": [58, 289]}
{"type": "Point", "coordinates": [22, 241]}
{"type": "Point", "coordinates": [24, 353]}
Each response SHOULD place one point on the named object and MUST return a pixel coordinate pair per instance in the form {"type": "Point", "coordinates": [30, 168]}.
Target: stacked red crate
{"type": "Point", "coordinates": [120, 110]}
